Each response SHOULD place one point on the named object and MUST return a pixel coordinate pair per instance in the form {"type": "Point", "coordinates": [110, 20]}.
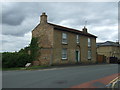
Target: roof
{"type": "Point", "coordinates": [62, 28]}
{"type": "Point", "coordinates": [107, 43]}
{"type": "Point", "coordinates": [71, 30]}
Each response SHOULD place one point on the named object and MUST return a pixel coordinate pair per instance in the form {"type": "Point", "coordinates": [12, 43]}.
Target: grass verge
{"type": "Point", "coordinates": [23, 68]}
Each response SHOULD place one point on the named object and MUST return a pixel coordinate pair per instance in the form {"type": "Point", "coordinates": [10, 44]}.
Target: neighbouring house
{"type": "Point", "coordinates": [109, 49]}
{"type": "Point", "coordinates": [63, 45]}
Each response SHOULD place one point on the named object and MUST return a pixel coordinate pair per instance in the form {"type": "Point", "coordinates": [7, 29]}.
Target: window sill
{"type": "Point", "coordinates": [89, 46]}
{"type": "Point", "coordinates": [64, 43]}
{"type": "Point", "coordinates": [64, 58]}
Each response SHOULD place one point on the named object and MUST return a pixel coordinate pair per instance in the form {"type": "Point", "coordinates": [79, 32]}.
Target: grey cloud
{"type": "Point", "coordinates": [11, 14]}
{"type": "Point", "coordinates": [14, 43]}
{"type": "Point", "coordinates": [16, 13]}
{"type": "Point", "coordinates": [61, 11]}
{"type": "Point", "coordinates": [12, 18]}
{"type": "Point", "coordinates": [19, 30]}
{"type": "Point", "coordinates": [109, 34]}
{"type": "Point", "coordinates": [93, 12]}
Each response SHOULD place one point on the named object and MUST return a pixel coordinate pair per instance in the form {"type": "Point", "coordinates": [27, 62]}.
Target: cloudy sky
{"type": "Point", "coordinates": [19, 19]}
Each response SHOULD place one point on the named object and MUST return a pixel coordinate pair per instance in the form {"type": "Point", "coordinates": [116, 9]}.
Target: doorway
{"type": "Point", "coordinates": [77, 56]}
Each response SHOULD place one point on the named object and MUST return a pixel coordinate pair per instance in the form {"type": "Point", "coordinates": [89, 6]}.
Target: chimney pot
{"type": "Point", "coordinates": [43, 18]}
{"type": "Point", "coordinates": [84, 29]}
{"type": "Point", "coordinates": [43, 13]}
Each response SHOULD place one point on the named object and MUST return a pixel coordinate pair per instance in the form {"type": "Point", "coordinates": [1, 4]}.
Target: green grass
{"type": "Point", "coordinates": [23, 68]}
{"type": "Point", "coordinates": [16, 68]}
{"type": "Point", "coordinates": [36, 67]}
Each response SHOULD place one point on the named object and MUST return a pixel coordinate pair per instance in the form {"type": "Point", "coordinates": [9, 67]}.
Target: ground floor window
{"type": "Point", "coordinates": [64, 53]}
{"type": "Point", "coordinates": [89, 54]}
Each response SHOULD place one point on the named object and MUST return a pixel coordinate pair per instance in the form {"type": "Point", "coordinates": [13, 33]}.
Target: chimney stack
{"type": "Point", "coordinates": [43, 18]}
{"type": "Point", "coordinates": [84, 29]}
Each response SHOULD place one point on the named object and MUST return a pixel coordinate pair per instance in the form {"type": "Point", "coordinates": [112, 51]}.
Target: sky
{"type": "Point", "coordinates": [20, 18]}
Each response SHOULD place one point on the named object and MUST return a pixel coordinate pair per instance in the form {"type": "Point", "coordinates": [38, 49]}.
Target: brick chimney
{"type": "Point", "coordinates": [43, 18]}
{"type": "Point", "coordinates": [84, 29]}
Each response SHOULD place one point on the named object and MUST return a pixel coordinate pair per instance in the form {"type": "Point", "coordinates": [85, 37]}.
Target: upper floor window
{"type": "Point", "coordinates": [89, 42]}
{"type": "Point", "coordinates": [64, 53]}
{"type": "Point", "coordinates": [89, 54]}
{"type": "Point", "coordinates": [77, 39]}
{"type": "Point", "coordinates": [64, 38]}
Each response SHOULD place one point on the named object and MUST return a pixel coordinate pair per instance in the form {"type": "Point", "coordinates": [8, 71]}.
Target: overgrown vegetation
{"type": "Point", "coordinates": [23, 68]}
{"type": "Point", "coordinates": [34, 48]}
{"type": "Point", "coordinates": [20, 58]}
{"type": "Point", "coordinates": [15, 59]}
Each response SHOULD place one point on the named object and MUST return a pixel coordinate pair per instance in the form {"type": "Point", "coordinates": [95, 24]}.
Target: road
{"type": "Point", "coordinates": [63, 77]}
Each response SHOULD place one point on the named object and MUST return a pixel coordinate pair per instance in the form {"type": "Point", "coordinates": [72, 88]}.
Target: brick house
{"type": "Point", "coordinates": [63, 45]}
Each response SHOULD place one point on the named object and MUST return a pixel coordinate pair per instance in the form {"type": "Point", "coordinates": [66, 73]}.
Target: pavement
{"type": "Point", "coordinates": [89, 76]}
{"type": "Point", "coordinates": [99, 83]}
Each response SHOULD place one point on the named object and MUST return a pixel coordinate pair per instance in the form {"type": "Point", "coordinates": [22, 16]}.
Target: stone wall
{"type": "Point", "coordinates": [72, 46]}
{"type": "Point", "coordinates": [44, 32]}
{"type": "Point", "coordinates": [109, 51]}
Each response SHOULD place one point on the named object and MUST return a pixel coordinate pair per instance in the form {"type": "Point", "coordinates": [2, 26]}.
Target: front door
{"type": "Point", "coordinates": [77, 56]}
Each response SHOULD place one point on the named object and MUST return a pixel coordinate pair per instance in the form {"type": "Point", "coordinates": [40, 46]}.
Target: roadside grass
{"type": "Point", "coordinates": [15, 68]}
{"type": "Point", "coordinates": [24, 68]}
{"type": "Point", "coordinates": [36, 67]}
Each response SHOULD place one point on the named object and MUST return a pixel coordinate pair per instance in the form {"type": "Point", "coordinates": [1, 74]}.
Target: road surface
{"type": "Point", "coordinates": [63, 77]}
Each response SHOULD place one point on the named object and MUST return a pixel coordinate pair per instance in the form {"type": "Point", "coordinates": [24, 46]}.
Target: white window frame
{"type": "Point", "coordinates": [77, 39]}
{"type": "Point", "coordinates": [89, 54]}
{"type": "Point", "coordinates": [64, 38]}
{"type": "Point", "coordinates": [89, 42]}
{"type": "Point", "coordinates": [64, 53]}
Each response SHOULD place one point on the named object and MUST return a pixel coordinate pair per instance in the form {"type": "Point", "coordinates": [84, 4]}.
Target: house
{"type": "Point", "coordinates": [63, 45]}
{"type": "Point", "coordinates": [109, 49]}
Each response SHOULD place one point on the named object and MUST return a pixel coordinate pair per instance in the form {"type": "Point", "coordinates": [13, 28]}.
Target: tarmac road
{"type": "Point", "coordinates": [63, 77]}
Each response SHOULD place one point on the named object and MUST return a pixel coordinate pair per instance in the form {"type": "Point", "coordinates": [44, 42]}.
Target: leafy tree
{"type": "Point", "coordinates": [9, 59]}
{"type": "Point", "coordinates": [15, 59]}
{"type": "Point", "coordinates": [19, 59]}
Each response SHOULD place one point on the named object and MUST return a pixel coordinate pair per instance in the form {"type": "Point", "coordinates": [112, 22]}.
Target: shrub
{"type": "Point", "coordinates": [19, 59]}
{"type": "Point", "coordinates": [15, 59]}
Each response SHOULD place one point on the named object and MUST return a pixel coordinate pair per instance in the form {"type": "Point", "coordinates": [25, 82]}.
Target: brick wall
{"type": "Point", "coordinates": [72, 47]}
{"type": "Point", "coordinates": [44, 32]}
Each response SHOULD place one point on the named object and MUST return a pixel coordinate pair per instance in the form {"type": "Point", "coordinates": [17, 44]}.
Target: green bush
{"type": "Point", "coordinates": [16, 59]}
{"type": "Point", "coordinates": [19, 59]}
{"type": "Point", "coordinates": [34, 48]}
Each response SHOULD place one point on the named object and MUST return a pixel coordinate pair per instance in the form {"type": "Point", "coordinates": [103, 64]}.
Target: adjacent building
{"type": "Point", "coordinates": [109, 49]}
{"type": "Point", "coordinates": [63, 45]}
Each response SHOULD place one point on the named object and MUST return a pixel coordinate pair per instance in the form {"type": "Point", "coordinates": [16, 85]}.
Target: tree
{"type": "Point", "coordinates": [19, 59]}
